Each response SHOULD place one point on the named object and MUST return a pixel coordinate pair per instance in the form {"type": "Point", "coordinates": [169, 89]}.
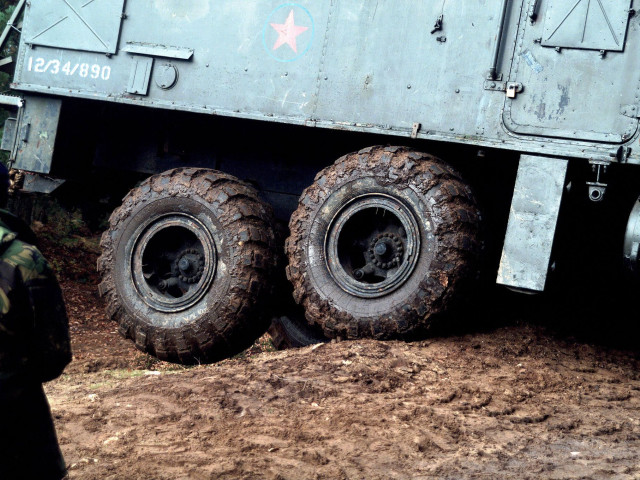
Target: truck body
{"type": "Point", "coordinates": [549, 81]}
{"type": "Point", "coordinates": [356, 65]}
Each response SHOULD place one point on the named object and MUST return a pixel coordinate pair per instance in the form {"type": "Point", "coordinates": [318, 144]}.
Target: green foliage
{"type": "Point", "coordinates": [10, 47]}
{"type": "Point", "coordinates": [7, 4]}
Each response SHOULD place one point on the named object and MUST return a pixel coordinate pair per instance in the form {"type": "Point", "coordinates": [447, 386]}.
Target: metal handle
{"type": "Point", "coordinates": [24, 134]}
{"type": "Point", "coordinates": [498, 44]}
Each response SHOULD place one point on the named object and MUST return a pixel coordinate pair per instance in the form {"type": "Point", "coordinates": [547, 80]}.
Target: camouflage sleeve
{"type": "Point", "coordinates": [41, 314]}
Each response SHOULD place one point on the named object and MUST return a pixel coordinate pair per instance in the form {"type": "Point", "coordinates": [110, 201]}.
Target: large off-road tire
{"type": "Point", "coordinates": [381, 243]}
{"type": "Point", "coordinates": [187, 263]}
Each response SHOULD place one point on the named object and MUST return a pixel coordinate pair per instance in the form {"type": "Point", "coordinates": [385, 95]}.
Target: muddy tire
{"type": "Point", "coordinates": [186, 265]}
{"type": "Point", "coordinates": [382, 243]}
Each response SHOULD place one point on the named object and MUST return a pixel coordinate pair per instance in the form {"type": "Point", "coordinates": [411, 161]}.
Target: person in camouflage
{"type": "Point", "coordinates": [34, 348]}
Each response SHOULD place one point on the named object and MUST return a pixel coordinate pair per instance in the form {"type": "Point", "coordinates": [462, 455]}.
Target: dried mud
{"type": "Point", "coordinates": [513, 402]}
{"type": "Point", "coordinates": [507, 404]}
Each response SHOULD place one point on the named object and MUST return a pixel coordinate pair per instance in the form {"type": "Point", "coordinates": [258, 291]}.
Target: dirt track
{"type": "Point", "coordinates": [506, 404]}
{"type": "Point", "coordinates": [515, 402]}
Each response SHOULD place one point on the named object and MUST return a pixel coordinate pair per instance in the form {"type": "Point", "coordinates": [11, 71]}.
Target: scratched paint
{"type": "Point", "coordinates": [532, 62]}
{"type": "Point", "coordinates": [564, 99]}
{"type": "Point", "coordinates": [540, 110]}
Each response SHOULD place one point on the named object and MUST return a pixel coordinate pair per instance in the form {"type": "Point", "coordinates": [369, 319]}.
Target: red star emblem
{"type": "Point", "coordinates": [287, 32]}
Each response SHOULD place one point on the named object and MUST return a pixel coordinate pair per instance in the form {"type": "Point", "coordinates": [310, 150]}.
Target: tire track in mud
{"type": "Point", "coordinates": [513, 403]}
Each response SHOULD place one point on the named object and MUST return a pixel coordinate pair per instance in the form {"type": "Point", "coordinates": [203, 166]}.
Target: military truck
{"type": "Point", "coordinates": [246, 112]}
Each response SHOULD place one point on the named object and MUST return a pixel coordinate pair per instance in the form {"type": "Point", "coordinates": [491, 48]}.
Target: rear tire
{"type": "Point", "coordinates": [382, 243]}
{"type": "Point", "coordinates": [186, 265]}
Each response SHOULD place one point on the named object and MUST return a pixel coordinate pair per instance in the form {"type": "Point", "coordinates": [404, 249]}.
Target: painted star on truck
{"type": "Point", "coordinates": [288, 32]}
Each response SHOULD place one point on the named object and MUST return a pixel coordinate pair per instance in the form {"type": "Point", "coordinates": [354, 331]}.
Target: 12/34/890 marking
{"type": "Point", "coordinates": [56, 67]}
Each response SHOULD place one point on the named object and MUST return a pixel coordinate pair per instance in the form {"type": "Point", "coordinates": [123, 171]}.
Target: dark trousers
{"type": "Point", "coordinates": [28, 444]}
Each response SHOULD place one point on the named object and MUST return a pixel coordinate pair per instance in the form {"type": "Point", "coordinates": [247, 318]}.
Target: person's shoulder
{"type": "Point", "coordinates": [19, 228]}
{"type": "Point", "coordinates": [17, 254]}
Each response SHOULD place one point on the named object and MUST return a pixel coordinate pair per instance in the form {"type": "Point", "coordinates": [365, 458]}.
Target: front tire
{"type": "Point", "coordinates": [186, 265]}
{"type": "Point", "coordinates": [381, 244]}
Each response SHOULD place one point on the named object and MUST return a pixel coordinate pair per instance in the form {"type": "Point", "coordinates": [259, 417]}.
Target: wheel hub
{"type": "Point", "coordinates": [190, 264]}
{"type": "Point", "coordinates": [372, 245]}
{"type": "Point", "coordinates": [173, 262]}
{"type": "Point", "coordinates": [387, 250]}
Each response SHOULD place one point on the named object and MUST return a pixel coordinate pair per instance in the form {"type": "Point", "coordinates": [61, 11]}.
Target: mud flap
{"type": "Point", "coordinates": [35, 134]}
{"type": "Point", "coordinates": [532, 222]}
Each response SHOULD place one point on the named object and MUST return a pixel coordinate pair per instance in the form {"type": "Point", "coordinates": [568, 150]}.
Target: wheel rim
{"type": "Point", "coordinates": [372, 245]}
{"type": "Point", "coordinates": [172, 262]}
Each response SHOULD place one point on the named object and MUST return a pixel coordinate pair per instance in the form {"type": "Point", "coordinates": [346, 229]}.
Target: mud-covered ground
{"type": "Point", "coordinates": [516, 400]}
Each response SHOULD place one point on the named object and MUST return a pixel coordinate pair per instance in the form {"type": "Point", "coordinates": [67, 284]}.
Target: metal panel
{"type": "Point", "coordinates": [37, 133]}
{"type": "Point", "coordinates": [89, 25]}
{"type": "Point", "coordinates": [532, 222]}
{"type": "Point", "coordinates": [572, 93]}
{"type": "Point", "coordinates": [595, 25]}
{"type": "Point", "coordinates": [383, 67]}
{"type": "Point", "coordinates": [140, 75]}
{"type": "Point", "coordinates": [36, 183]}
{"type": "Point", "coordinates": [364, 66]}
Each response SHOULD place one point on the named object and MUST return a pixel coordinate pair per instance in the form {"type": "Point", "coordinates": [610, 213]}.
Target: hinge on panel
{"type": "Point", "coordinates": [510, 88]}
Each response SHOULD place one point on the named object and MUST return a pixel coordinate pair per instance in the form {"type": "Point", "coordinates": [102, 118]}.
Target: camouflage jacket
{"type": "Point", "coordinates": [34, 330]}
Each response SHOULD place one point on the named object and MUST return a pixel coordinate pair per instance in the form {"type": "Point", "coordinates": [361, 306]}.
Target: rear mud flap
{"type": "Point", "coordinates": [532, 223]}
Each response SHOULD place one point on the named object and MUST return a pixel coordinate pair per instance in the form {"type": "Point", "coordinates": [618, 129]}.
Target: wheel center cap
{"type": "Point", "coordinates": [184, 265]}
{"type": "Point", "coordinates": [381, 248]}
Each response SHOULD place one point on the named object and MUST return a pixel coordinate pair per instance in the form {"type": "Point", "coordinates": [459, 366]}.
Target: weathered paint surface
{"type": "Point", "coordinates": [36, 135]}
{"type": "Point", "coordinates": [362, 65]}
{"type": "Point", "coordinates": [532, 222]}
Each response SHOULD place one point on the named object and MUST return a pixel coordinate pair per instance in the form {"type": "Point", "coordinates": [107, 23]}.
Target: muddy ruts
{"type": "Point", "coordinates": [448, 221]}
{"type": "Point", "coordinates": [230, 312]}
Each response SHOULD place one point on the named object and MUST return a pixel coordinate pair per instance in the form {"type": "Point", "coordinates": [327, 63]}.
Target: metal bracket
{"type": "Point", "coordinates": [37, 183]}
{"type": "Point", "coordinates": [415, 129]}
{"type": "Point", "coordinates": [511, 88]}
{"type": "Point", "coordinates": [598, 188]}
